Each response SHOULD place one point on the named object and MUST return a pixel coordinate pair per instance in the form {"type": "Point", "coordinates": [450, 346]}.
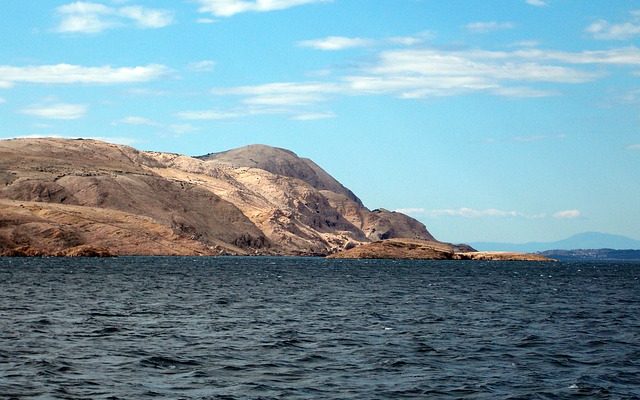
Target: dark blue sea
{"type": "Point", "coordinates": [305, 328]}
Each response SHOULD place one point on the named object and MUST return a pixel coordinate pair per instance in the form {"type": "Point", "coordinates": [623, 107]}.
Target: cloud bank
{"type": "Point", "coordinates": [75, 74]}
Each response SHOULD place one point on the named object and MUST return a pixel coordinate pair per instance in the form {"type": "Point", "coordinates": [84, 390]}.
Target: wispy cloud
{"type": "Point", "coordinates": [228, 8]}
{"type": "Point", "coordinates": [567, 214]}
{"type": "Point", "coordinates": [206, 20]}
{"type": "Point", "coordinates": [537, 3]}
{"type": "Point", "coordinates": [282, 93]}
{"type": "Point", "coordinates": [429, 72]}
{"type": "Point", "coordinates": [146, 92]}
{"type": "Point", "coordinates": [415, 73]}
{"type": "Point", "coordinates": [605, 30]}
{"type": "Point", "coordinates": [57, 111]}
{"type": "Point", "coordinates": [178, 129]}
{"type": "Point", "coordinates": [538, 138]}
{"type": "Point", "coordinates": [211, 115]}
{"type": "Point", "coordinates": [466, 212]}
{"type": "Point", "coordinates": [182, 129]}
{"type": "Point", "coordinates": [296, 100]}
{"type": "Point", "coordinates": [74, 74]}
{"type": "Point", "coordinates": [2, 100]}
{"type": "Point", "coordinates": [634, 147]}
{"type": "Point", "coordinates": [202, 66]}
{"type": "Point", "coordinates": [490, 26]}
{"type": "Point", "coordinates": [333, 43]}
{"type": "Point", "coordinates": [314, 116]}
{"type": "Point", "coordinates": [472, 213]}
{"type": "Point", "coordinates": [142, 121]}
{"type": "Point", "coordinates": [626, 56]}
{"type": "Point", "coordinates": [88, 17]}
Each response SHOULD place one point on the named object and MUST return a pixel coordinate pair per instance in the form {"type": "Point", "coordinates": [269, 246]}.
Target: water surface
{"type": "Point", "coordinates": [298, 328]}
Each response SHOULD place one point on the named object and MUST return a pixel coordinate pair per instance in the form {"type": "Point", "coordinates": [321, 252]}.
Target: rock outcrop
{"type": "Point", "coordinates": [412, 249]}
{"type": "Point", "coordinates": [81, 197]}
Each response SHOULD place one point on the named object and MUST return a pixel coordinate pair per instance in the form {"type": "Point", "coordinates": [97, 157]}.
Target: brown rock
{"type": "Point", "coordinates": [413, 249]}
{"type": "Point", "coordinates": [60, 194]}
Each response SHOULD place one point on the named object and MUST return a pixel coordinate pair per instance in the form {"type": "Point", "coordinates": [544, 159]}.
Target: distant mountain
{"type": "Point", "coordinates": [593, 255]}
{"type": "Point", "coordinates": [587, 240]}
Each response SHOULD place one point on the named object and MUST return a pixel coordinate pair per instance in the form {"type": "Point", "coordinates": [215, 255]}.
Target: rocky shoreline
{"type": "Point", "coordinates": [412, 249]}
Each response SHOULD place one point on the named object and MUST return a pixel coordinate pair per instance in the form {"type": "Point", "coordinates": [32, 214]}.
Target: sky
{"type": "Point", "coordinates": [487, 120]}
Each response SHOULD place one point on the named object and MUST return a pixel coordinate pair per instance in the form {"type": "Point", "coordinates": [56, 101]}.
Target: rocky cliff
{"type": "Point", "coordinates": [66, 197]}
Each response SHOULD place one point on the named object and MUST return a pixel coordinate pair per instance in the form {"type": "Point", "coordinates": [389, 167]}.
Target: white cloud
{"type": "Point", "coordinates": [287, 98]}
{"type": "Point", "coordinates": [418, 73]}
{"type": "Point", "coordinates": [5, 84]}
{"type": "Point", "coordinates": [483, 66]}
{"type": "Point", "coordinates": [523, 92]}
{"type": "Point", "coordinates": [147, 18]}
{"type": "Point", "coordinates": [73, 74]}
{"type": "Point", "coordinates": [410, 40]}
{"type": "Point", "coordinates": [2, 100]}
{"type": "Point", "coordinates": [333, 43]}
{"type": "Point", "coordinates": [178, 129]}
{"type": "Point", "coordinates": [472, 213]}
{"type": "Point", "coordinates": [147, 92]}
{"type": "Point", "coordinates": [282, 93]}
{"type": "Point", "coordinates": [486, 27]}
{"type": "Point", "coordinates": [202, 66]}
{"type": "Point", "coordinates": [567, 214]}
{"type": "Point", "coordinates": [57, 111]}
{"type": "Point", "coordinates": [603, 29]}
{"type": "Point", "coordinates": [311, 116]}
{"type": "Point", "coordinates": [629, 56]}
{"type": "Point", "coordinates": [133, 120]}
{"type": "Point", "coordinates": [465, 212]}
{"type": "Point", "coordinates": [228, 8]}
{"type": "Point", "coordinates": [634, 147]}
{"type": "Point", "coordinates": [181, 129]}
{"type": "Point", "coordinates": [251, 110]}
{"type": "Point", "coordinates": [526, 43]}
{"type": "Point", "coordinates": [414, 73]}
{"type": "Point", "coordinates": [210, 115]}
{"type": "Point", "coordinates": [206, 20]}
{"type": "Point", "coordinates": [537, 3]}
{"type": "Point", "coordinates": [88, 17]}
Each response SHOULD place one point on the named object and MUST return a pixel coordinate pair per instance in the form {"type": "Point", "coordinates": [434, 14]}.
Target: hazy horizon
{"type": "Point", "coordinates": [486, 121]}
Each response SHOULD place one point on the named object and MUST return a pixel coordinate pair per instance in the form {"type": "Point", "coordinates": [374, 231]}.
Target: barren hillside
{"type": "Point", "coordinates": [61, 194]}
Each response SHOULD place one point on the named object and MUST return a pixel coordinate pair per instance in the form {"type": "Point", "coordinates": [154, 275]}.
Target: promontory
{"type": "Point", "coordinates": [69, 197]}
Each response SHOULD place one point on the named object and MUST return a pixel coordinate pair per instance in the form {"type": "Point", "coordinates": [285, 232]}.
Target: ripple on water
{"type": "Point", "coordinates": [299, 328]}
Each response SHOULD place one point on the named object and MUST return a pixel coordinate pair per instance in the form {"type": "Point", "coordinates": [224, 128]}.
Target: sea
{"type": "Point", "coordinates": [313, 328]}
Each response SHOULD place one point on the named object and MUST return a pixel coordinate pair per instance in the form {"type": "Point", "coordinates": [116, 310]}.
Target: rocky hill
{"type": "Point", "coordinates": [75, 197]}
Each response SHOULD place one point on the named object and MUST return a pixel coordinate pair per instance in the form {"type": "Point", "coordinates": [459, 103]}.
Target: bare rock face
{"type": "Point", "coordinates": [90, 197]}
{"type": "Point", "coordinates": [280, 162]}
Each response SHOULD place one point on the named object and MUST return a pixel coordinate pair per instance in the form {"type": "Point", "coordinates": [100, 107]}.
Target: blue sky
{"type": "Point", "coordinates": [510, 120]}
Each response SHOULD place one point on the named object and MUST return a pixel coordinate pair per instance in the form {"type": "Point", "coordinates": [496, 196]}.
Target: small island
{"type": "Point", "coordinates": [415, 249]}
